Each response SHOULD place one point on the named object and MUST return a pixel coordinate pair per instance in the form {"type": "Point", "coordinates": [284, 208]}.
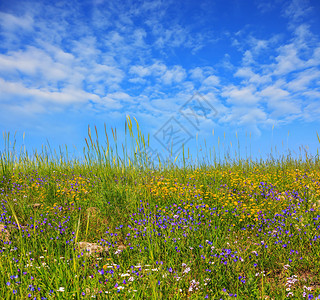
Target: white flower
{"type": "Point", "coordinates": [61, 289]}
{"type": "Point", "coordinates": [286, 267]}
{"type": "Point", "coordinates": [187, 270]}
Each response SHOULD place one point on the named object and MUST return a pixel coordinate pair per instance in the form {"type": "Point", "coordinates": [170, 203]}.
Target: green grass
{"type": "Point", "coordinates": [243, 228]}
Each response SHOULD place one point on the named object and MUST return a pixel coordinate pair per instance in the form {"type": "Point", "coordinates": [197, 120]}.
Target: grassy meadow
{"type": "Point", "coordinates": [112, 228]}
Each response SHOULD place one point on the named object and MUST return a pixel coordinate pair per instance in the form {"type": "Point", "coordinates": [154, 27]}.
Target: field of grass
{"type": "Point", "coordinates": [102, 229]}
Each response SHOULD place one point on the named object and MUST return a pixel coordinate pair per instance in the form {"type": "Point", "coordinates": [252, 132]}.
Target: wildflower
{"type": "Point", "coordinates": [61, 289]}
{"type": "Point", "coordinates": [286, 267]}
{"type": "Point", "coordinates": [187, 270]}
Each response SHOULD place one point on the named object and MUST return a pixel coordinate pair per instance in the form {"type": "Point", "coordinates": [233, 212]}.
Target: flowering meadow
{"type": "Point", "coordinates": [245, 230]}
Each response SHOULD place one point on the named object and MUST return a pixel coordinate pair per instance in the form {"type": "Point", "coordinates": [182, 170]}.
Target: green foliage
{"type": "Point", "coordinates": [122, 228]}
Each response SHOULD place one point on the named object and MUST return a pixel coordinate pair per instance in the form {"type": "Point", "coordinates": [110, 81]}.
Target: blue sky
{"type": "Point", "coordinates": [237, 67]}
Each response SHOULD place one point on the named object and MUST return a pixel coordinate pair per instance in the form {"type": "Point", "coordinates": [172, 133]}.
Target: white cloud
{"type": "Point", "coordinates": [264, 6]}
{"type": "Point", "coordinates": [274, 93]}
{"type": "Point", "coordinates": [109, 102]}
{"type": "Point", "coordinates": [284, 109]}
{"type": "Point", "coordinates": [174, 75]}
{"type": "Point", "coordinates": [211, 81]}
{"type": "Point", "coordinates": [67, 96]}
{"type": "Point", "coordinates": [244, 118]}
{"type": "Point", "coordinates": [281, 77]}
{"type": "Point", "coordinates": [112, 56]}
{"type": "Point", "coordinates": [312, 112]}
{"type": "Point", "coordinates": [157, 69]}
{"type": "Point", "coordinates": [171, 37]}
{"type": "Point", "coordinates": [238, 96]}
{"type": "Point", "coordinates": [303, 80]}
{"type": "Point", "coordinates": [138, 80]}
{"type": "Point", "coordinates": [121, 96]}
{"type": "Point", "coordinates": [288, 61]}
{"type": "Point", "coordinates": [250, 76]}
{"type": "Point", "coordinates": [247, 58]}
{"type": "Point", "coordinates": [200, 73]}
{"type": "Point", "coordinates": [296, 10]}
{"type": "Point", "coordinates": [138, 36]}
{"type": "Point", "coordinates": [254, 116]}
{"type": "Point", "coordinates": [31, 62]}
{"type": "Point", "coordinates": [13, 23]}
{"type": "Point", "coordinates": [197, 74]}
{"type": "Point", "coordinates": [140, 71]}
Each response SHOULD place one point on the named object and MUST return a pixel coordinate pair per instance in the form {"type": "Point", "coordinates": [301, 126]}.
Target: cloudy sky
{"type": "Point", "coordinates": [245, 69]}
